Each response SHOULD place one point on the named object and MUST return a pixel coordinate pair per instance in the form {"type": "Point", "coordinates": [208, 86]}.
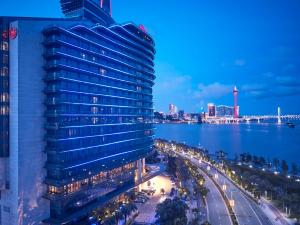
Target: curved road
{"type": "Point", "coordinates": [245, 209]}
{"type": "Point", "coordinates": [217, 212]}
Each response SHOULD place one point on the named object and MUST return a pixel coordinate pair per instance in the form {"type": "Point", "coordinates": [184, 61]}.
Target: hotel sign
{"type": "Point", "coordinates": [11, 33]}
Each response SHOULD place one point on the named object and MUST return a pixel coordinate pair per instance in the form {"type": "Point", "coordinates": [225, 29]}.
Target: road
{"type": "Point", "coordinates": [245, 209]}
{"type": "Point", "coordinates": [216, 208]}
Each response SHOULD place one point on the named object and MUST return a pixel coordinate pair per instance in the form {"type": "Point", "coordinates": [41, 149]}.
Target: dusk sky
{"type": "Point", "coordinates": [205, 47]}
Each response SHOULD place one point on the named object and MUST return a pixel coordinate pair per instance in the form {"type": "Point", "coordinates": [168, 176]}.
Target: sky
{"type": "Point", "coordinates": [206, 47]}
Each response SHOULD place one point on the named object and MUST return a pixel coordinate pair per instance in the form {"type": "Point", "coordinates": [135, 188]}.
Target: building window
{"type": "Point", "coordinates": [4, 72]}
{"type": "Point", "coordinates": [95, 100]}
{"type": "Point", "coordinates": [83, 55]}
{"type": "Point", "coordinates": [94, 110]}
{"type": "Point", "coordinates": [102, 71]}
{"type": "Point", "coordinates": [4, 110]}
{"type": "Point", "coordinates": [5, 59]}
{"type": "Point", "coordinates": [4, 46]}
{"type": "Point", "coordinates": [4, 97]}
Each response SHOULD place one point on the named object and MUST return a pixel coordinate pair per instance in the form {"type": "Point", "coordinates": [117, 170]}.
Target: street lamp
{"type": "Point", "coordinates": [224, 187]}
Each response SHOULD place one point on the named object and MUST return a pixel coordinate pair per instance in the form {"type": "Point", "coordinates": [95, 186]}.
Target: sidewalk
{"type": "Point", "coordinates": [272, 212]}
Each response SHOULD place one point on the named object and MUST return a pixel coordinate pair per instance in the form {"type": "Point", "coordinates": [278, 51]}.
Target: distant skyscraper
{"type": "Point", "coordinates": [171, 109]}
{"type": "Point", "coordinates": [235, 95]}
{"type": "Point", "coordinates": [211, 109]}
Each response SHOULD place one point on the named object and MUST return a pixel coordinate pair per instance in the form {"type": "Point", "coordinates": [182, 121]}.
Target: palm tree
{"type": "Point", "coordinates": [119, 215]}
{"type": "Point", "coordinates": [172, 212]}
{"type": "Point", "coordinates": [127, 209]}
{"type": "Point", "coordinates": [294, 169]}
{"type": "Point", "coordinates": [110, 221]}
{"type": "Point", "coordinates": [194, 222]}
{"type": "Point", "coordinates": [221, 155]}
{"type": "Point", "coordinates": [284, 167]}
{"type": "Point", "coordinates": [196, 212]}
{"type": "Point", "coordinates": [276, 163]}
{"type": "Point", "coordinates": [205, 223]}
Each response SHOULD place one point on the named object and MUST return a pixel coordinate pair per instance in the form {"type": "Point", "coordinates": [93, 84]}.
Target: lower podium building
{"type": "Point", "coordinates": [76, 112]}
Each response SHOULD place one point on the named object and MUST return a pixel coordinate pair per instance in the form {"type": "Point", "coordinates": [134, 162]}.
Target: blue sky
{"type": "Point", "coordinates": [205, 47]}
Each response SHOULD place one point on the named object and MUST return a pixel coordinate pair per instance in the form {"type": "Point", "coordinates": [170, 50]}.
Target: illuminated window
{"type": "Point", "coordinates": [4, 72]}
{"type": "Point", "coordinates": [72, 132]}
{"type": "Point", "coordinates": [94, 110]}
{"type": "Point", "coordinates": [95, 100]}
{"type": "Point", "coordinates": [95, 120]}
{"type": "Point", "coordinates": [102, 71]}
{"type": "Point", "coordinates": [83, 55]}
{"type": "Point", "coordinates": [4, 46]}
{"type": "Point", "coordinates": [4, 97]}
{"type": "Point", "coordinates": [4, 110]}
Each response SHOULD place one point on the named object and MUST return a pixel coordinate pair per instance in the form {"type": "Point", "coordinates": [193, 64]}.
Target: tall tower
{"type": "Point", "coordinates": [279, 116]}
{"type": "Point", "coordinates": [235, 95]}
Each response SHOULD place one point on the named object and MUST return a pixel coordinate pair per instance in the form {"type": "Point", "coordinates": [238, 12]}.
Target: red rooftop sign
{"type": "Point", "coordinates": [11, 33]}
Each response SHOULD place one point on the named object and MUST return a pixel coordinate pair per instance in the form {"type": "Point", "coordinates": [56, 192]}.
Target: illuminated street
{"type": "Point", "coordinates": [246, 210]}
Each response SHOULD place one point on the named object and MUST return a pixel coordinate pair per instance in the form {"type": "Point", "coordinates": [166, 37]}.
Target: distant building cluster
{"type": "Point", "coordinates": [214, 112]}
{"type": "Point", "coordinates": [177, 116]}
{"type": "Point", "coordinates": [220, 110]}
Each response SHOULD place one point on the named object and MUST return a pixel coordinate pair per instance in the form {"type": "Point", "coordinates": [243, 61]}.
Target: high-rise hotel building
{"type": "Point", "coordinates": [76, 112]}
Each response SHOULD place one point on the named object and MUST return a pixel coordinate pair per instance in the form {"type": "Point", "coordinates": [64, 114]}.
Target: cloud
{"type": "Point", "coordinates": [174, 82]}
{"type": "Point", "coordinates": [279, 86]}
{"type": "Point", "coordinates": [214, 90]}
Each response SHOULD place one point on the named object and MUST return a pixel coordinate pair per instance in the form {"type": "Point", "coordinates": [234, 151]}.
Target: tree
{"type": "Point", "coordinates": [127, 209]}
{"type": "Point", "coordinates": [276, 163]}
{"type": "Point", "coordinates": [172, 212]}
{"type": "Point", "coordinates": [110, 221]}
{"type": "Point", "coordinates": [171, 166]}
{"type": "Point", "coordinates": [221, 155]}
{"type": "Point", "coordinates": [294, 169]}
{"type": "Point", "coordinates": [284, 167]}
{"type": "Point", "coordinates": [196, 212]}
{"type": "Point", "coordinates": [205, 223]}
{"type": "Point", "coordinates": [194, 222]}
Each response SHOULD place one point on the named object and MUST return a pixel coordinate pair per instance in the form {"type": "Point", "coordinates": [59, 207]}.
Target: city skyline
{"type": "Point", "coordinates": [258, 51]}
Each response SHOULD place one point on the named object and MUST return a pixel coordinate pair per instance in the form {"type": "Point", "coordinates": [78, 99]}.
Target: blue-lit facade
{"type": "Point", "coordinates": [99, 104]}
{"type": "Point", "coordinates": [82, 111]}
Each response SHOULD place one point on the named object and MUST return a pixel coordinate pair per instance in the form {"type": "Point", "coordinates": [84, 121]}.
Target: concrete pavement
{"type": "Point", "coordinates": [245, 209]}
{"type": "Point", "coordinates": [217, 211]}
